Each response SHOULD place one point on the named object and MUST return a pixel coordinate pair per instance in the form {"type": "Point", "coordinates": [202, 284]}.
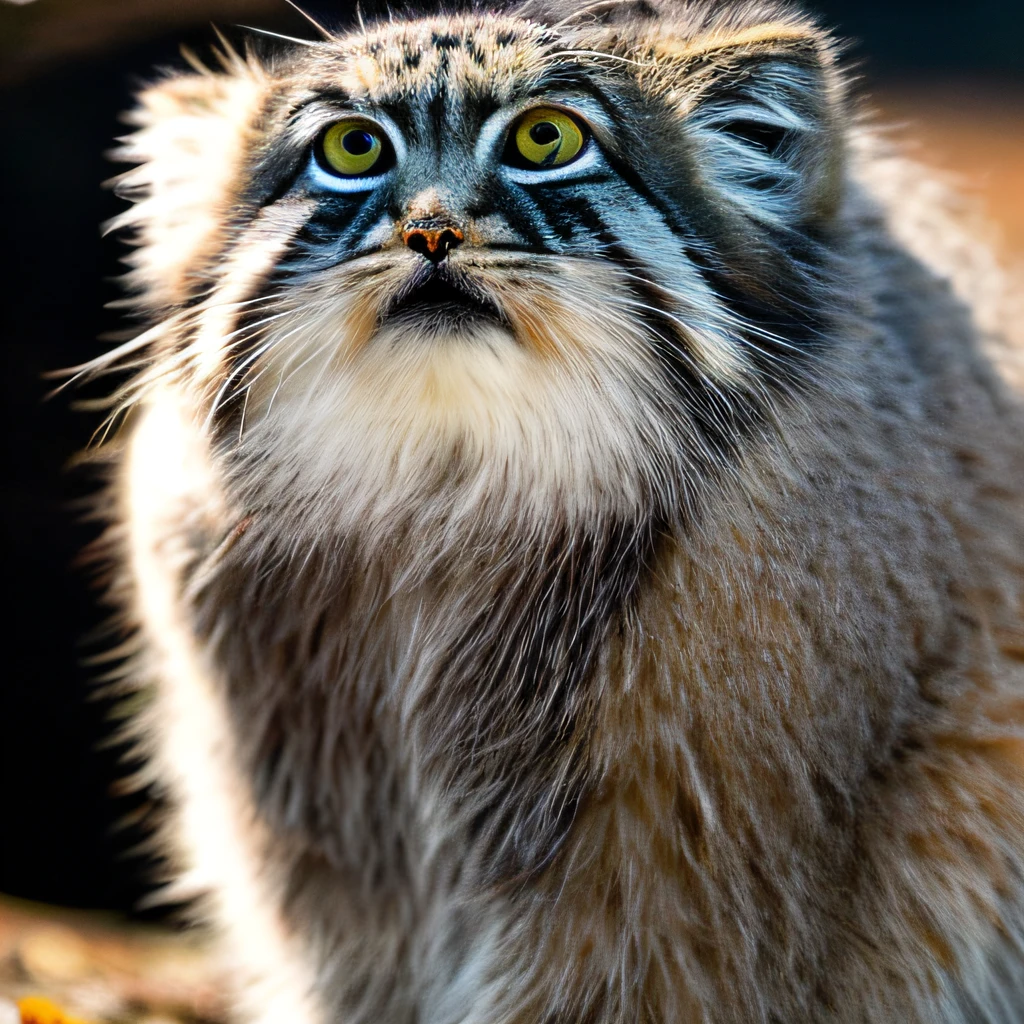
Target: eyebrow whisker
{"type": "Point", "coordinates": [328, 35]}
{"type": "Point", "coordinates": [279, 35]}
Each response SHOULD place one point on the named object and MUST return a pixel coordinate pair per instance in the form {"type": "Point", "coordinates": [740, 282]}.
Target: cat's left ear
{"type": "Point", "coordinates": [765, 110]}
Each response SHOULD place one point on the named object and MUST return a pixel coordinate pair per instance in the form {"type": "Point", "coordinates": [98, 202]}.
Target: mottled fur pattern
{"type": "Point", "coordinates": [646, 648]}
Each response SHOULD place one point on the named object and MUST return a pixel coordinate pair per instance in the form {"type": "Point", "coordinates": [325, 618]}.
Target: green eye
{"type": "Point", "coordinates": [546, 137]}
{"type": "Point", "coordinates": [352, 147]}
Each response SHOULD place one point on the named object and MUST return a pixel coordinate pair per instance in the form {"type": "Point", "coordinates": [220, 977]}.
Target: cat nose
{"type": "Point", "coordinates": [433, 237]}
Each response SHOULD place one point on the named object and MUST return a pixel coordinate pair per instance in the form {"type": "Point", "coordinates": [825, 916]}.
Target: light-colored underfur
{"type": "Point", "coordinates": [774, 772]}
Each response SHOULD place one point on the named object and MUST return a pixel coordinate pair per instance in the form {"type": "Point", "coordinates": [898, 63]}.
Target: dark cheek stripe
{"type": "Point", "coordinates": [779, 292]}
{"type": "Point", "coordinates": [247, 325]}
{"type": "Point", "coordinates": [574, 216]}
{"type": "Point", "coordinates": [520, 211]}
{"type": "Point", "coordinates": [721, 417]}
{"type": "Point", "coordinates": [335, 230]}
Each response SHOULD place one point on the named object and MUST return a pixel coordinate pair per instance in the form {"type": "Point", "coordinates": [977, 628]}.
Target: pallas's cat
{"type": "Point", "coordinates": [570, 503]}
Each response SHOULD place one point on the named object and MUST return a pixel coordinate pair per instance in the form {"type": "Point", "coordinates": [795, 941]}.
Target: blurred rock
{"type": "Point", "coordinates": [55, 954]}
{"type": "Point", "coordinates": [97, 968]}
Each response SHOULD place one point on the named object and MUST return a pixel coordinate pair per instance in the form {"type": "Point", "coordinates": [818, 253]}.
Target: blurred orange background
{"type": "Point", "coordinates": [973, 129]}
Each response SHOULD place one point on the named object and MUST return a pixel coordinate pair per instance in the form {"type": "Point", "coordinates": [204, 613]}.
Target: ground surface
{"type": "Point", "coordinates": [100, 969]}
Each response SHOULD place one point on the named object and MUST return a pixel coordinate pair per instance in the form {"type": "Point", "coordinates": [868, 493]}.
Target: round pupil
{"type": "Point", "coordinates": [357, 142]}
{"type": "Point", "coordinates": [544, 133]}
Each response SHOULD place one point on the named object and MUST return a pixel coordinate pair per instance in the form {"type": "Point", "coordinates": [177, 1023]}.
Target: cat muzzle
{"type": "Point", "coordinates": [439, 295]}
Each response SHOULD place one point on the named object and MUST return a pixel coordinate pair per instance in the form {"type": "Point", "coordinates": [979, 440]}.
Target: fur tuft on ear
{"type": "Point", "coordinates": [192, 138]}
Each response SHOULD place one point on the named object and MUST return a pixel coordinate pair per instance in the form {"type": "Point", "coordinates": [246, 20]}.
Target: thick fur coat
{"type": "Point", "coordinates": [642, 645]}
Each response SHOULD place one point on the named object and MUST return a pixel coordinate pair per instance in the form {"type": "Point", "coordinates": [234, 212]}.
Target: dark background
{"type": "Point", "coordinates": [63, 80]}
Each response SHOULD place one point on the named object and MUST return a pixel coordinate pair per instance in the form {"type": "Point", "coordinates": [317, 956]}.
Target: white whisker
{"type": "Point", "coordinates": [278, 35]}
{"type": "Point", "coordinates": [329, 36]}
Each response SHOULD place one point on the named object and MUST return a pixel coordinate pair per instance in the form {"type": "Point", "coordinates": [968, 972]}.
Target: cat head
{"type": "Point", "coordinates": [563, 259]}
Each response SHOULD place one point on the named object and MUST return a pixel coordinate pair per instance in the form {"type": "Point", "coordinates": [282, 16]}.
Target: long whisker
{"type": "Point", "coordinates": [108, 360]}
{"type": "Point", "coordinates": [111, 360]}
{"type": "Point", "coordinates": [739, 323]}
{"type": "Point", "coordinates": [281, 36]}
{"type": "Point", "coordinates": [329, 36]}
{"type": "Point", "coordinates": [167, 366]}
{"type": "Point", "coordinates": [238, 372]}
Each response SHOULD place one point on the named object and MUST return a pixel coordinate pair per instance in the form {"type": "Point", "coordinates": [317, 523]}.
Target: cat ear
{"type": "Point", "coordinates": [191, 140]}
{"type": "Point", "coordinates": [764, 107]}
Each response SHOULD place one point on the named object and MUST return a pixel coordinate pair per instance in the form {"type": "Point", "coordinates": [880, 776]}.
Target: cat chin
{"type": "Point", "coordinates": [463, 420]}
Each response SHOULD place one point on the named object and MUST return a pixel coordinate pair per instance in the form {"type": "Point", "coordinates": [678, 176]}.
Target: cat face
{"type": "Point", "coordinates": [567, 262]}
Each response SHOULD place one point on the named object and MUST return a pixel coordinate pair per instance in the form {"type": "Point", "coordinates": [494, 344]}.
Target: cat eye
{"type": "Point", "coordinates": [353, 148]}
{"type": "Point", "coordinates": [545, 137]}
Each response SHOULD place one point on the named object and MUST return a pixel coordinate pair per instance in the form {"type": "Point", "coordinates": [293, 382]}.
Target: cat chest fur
{"type": "Point", "coordinates": [451, 691]}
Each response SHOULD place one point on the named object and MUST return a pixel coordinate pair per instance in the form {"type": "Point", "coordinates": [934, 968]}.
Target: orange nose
{"type": "Point", "coordinates": [432, 237]}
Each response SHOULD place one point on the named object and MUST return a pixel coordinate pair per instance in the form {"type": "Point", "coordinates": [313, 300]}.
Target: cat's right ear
{"type": "Point", "coordinates": [191, 139]}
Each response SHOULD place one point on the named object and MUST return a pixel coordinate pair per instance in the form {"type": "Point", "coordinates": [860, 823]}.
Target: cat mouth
{"type": "Point", "coordinates": [442, 299]}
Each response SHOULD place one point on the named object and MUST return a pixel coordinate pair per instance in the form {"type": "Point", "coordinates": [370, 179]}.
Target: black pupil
{"type": "Point", "coordinates": [357, 142]}
{"type": "Point", "coordinates": [544, 133]}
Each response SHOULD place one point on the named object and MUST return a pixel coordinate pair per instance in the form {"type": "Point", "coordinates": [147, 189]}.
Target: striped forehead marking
{"type": "Point", "coordinates": [468, 55]}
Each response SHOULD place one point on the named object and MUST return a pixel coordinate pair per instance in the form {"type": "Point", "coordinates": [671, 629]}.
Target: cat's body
{"type": "Point", "coordinates": [639, 640]}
